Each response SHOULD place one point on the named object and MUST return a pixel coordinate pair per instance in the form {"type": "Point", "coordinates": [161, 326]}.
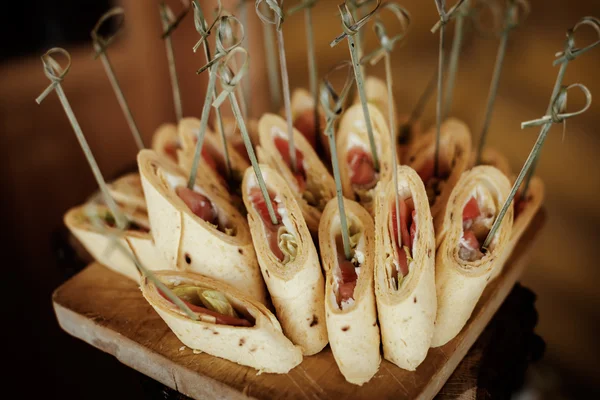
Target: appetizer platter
{"type": "Point", "coordinates": [329, 247]}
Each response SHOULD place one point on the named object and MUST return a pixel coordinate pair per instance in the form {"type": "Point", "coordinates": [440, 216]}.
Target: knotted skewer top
{"type": "Point", "coordinates": [100, 41]}
{"type": "Point", "coordinates": [202, 26]}
{"type": "Point", "coordinates": [388, 43]}
{"type": "Point", "coordinates": [350, 26]}
{"type": "Point", "coordinates": [571, 52]}
{"type": "Point", "coordinates": [53, 70]}
{"type": "Point", "coordinates": [172, 21]}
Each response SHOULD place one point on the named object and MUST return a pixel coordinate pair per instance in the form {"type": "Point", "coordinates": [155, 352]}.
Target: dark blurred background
{"type": "Point", "coordinates": [44, 171]}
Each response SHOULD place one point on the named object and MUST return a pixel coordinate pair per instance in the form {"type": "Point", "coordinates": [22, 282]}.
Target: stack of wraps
{"type": "Point", "coordinates": [221, 248]}
{"type": "Point", "coordinates": [407, 305]}
{"type": "Point", "coordinates": [295, 283]}
{"type": "Point", "coordinates": [352, 325]}
{"type": "Point", "coordinates": [253, 338]}
{"type": "Point", "coordinates": [459, 282]}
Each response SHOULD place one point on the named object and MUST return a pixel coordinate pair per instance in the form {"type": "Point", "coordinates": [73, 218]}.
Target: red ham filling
{"type": "Point", "coordinates": [408, 230]}
{"type": "Point", "coordinates": [258, 201]}
{"type": "Point", "coordinates": [282, 146]}
{"type": "Point", "coordinates": [220, 319]}
{"type": "Point", "coordinates": [347, 283]}
{"type": "Point", "coordinates": [469, 249]}
{"type": "Point", "coordinates": [362, 170]}
{"type": "Point", "coordinates": [200, 205]}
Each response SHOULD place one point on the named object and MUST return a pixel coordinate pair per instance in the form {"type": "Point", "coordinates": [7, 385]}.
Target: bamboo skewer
{"type": "Point", "coordinates": [455, 55]}
{"type": "Point", "coordinates": [277, 21]}
{"type": "Point", "coordinates": [445, 17]}
{"type": "Point", "coordinates": [170, 23]}
{"type": "Point", "coordinates": [511, 21]}
{"type": "Point", "coordinates": [569, 53]}
{"type": "Point", "coordinates": [350, 29]}
{"type": "Point", "coordinates": [556, 115]}
{"type": "Point", "coordinates": [387, 46]}
{"type": "Point", "coordinates": [332, 113]}
{"type": "Point", "coordinates": [56, 74]}
{"type": "Point", "coordinates": [100, 45]}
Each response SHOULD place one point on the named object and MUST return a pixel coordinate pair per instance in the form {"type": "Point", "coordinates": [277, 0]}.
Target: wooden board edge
{"type": "Point", "coordinates": [136, 356]}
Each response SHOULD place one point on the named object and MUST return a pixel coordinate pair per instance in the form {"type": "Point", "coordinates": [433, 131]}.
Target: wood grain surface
{"type": "Point", "coordinates": [109, 312]}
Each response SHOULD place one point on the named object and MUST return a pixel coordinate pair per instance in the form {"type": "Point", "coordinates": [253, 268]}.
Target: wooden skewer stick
{"type": "Point", "coordinates": [56, 74]}
{"type": "Point", "coordinates": [445, 17]}
{"type": "Point", "coordinates": [511, 21]}
{"type": "Point", "coordinates": [556, 115]}
{"type": "Point", "coordinates": [568, 54]}
{"type": "Point", "coordinates": [385, 50]}
{"type": "Point", "coordinates": [229, 36]}
{"type": "Point", "coordinates": [204, 30]}
{"type": "Point", "coordinates": [271, 61]}
{"type": "Point", "coordinates": [463, 12]}
{"type": "Point", "coordinates": [350, 29]}
{"type": "Point", "coordinates": [307, 6]}
{"type": "Point", "coordinates": [332, 112]}
{"type": "Point", "coordinates": [100, 45]}
{"type": "Point", "coordinates": [91, 213]}
{"type": "Point", "coordinates": [170, 23]}
{"type": "Point", "coordinates": [229, 81]}
{"type": "Point", "coordinates": [242, 11]}
{"type": "Point", "coordinates": [277, 21]}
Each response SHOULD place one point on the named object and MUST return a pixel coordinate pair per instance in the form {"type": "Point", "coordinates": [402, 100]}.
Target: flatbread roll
{"type": "Point", "coordinates": [137, 239]}
{"type": "Point", "coordinates": [234, 136]}
{"type": "Point", "coordinates": [303, 116]}
{"type": "Point", "coordinates": [408, 134]}
{"type": "Point", "coordinates": [312, 184]}
{"type": "Point", "coordinates": [357, 173]}
{"type": "Point", "coordinates": [165, 141]}
{"type": "Point", "coordinates": [404, 276]}
{"type": "Point", "coordinates": [288, 260]}
{"type": "Point", "coordinates": [128, 193]}
{"type": "Point", "coordinates": [523, 215]}
{"type": "Point", "coordinates": [213, 240]}
{"type": "Point", "coordinates": [349, 294]}
{"type": "Point", "coordinates": [462, 270]}
{"type": "Point", "coordinates": [207, 167]}
{"type": "Point", "coordinates": [455, 158]}
{"type": "Point", "coordinates": [251, 337]}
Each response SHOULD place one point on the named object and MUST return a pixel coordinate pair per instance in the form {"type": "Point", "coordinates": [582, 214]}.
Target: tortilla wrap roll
{"type": "Point", "coordinates": [357, 171]}
{"type": "Point", "coordinates": [231, 325]}
{"type": "Point", "coordinates": [408, 134]}
{"type": "Point", "coordinates": [524, 211]}
{"type": "Point", "coordinates": [454, 159]}
{"type": "Point", "coordinates": [404, 275]}
{"type": "Point", "coordinates": [312, 184]}
{"type": "Point", "coordinates": [207, 166]}
{"type": "Point", "coordinates": [349, 295]}
{"type": "Point", "coordinates": [165, 141]}
{"type": "Point", "coordinates": [213, 239]}
{"type": "Point", "coordinates": [462, 270]}
{"type": "Point", "coordinates": [128, 193]}
{"type": "Point", "coordinates": [288, 260]}
{"type": "Point", "coordinates": [493, 158]}
{"type": "Point", "coordinates": [98, 243]}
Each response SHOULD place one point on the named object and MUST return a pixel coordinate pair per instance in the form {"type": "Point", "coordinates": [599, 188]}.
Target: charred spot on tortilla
{"type": "Point", "coordinates": [268, 274]}
{"type": "Point", "coordinates": [411, 159]}
{"type": "Point", "coordinates": [188, 259]}
{"type": "Point", "coordinates": [241, 251]}
{"type": "Point", "coordinates": [375, 323]}
{"type": "Point", "coordinates": [429, 253]}
{"type": "Point", "coordinates": [345, 328]}
{"type": "Point", "coordinates": [415, 299]}
{"type": "Point", "coordinates": [215, 333]}
{"type": "Point", "coordinates": [314, 321]}
{"type": "Point", "coordinates": [242, 341]}
{"type": "Point", "coordinates": [451, 216]}
{"type": "Point", "coordinates": [253, 349]}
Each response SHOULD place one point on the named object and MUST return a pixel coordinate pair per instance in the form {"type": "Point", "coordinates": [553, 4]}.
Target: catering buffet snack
{"type": "Point", "coordinates": [398, 259]}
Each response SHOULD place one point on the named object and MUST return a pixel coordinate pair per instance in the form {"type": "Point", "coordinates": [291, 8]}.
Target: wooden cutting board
{"type": "Point", "coordinates": [108, 312]}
